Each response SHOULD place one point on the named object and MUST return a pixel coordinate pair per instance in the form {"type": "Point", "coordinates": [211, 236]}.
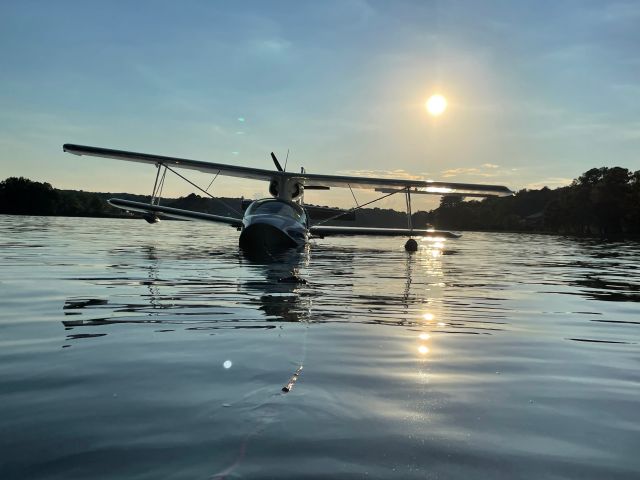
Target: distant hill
{"type": "Point", "coordinates": [601, 202]}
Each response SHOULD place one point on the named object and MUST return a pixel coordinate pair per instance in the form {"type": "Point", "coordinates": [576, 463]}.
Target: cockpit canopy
{"type": "Point", "coordinates": [274, 206]}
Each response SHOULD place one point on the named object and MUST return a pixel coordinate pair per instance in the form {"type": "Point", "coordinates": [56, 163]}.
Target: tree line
{"type": "Point", "coordinates": [602, 201]}
{"type": "Point", "coordinates": [21, 196]}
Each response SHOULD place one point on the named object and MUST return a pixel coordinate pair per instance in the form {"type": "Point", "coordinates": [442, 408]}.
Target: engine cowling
{"type": "Point", "coordinates": [291, 190]}
{"type": "Point", "coordinates": [274, 188]}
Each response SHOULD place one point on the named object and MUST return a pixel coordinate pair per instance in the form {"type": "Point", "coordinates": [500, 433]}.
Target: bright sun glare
{"type": "Point", "coordinates": [436, 105]}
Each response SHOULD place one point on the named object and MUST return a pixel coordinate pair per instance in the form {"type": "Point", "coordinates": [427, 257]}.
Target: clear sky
{"type": "Point", "coordinates": [538, 91]}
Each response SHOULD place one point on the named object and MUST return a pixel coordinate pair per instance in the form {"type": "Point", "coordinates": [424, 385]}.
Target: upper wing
{"type": "Point", "coordinates": [222, 169]}
{"type": "Point", "coordinates": [315, 180]}
{"type": "Point", "coordinates": [389, 185]}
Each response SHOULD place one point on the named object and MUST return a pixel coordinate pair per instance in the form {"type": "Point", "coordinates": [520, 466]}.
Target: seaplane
{"type": "Point", "coordinates": [282, 221]}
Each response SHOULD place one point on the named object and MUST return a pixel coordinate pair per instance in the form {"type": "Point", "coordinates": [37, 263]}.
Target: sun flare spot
{"type": "Point", "coordinates": [423, 350]}
{"type": "Point", "coordinates": [436, 105]}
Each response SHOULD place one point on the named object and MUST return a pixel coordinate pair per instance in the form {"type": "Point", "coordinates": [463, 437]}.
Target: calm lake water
{"type": "Point", "coordinates": [160, 352]}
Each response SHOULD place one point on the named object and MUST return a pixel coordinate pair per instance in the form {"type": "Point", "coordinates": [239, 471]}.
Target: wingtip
{"type": "Point", "coordinates": [70, 148]}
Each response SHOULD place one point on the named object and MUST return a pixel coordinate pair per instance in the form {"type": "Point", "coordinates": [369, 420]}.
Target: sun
{"type": "Point", "coordinates": [436, 105]}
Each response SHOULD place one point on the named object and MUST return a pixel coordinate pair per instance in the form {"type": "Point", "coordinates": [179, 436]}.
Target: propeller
{"type": "Point", "coordinates": [302, 171]}
{"type": "Point", "coordinates": [275, 160]}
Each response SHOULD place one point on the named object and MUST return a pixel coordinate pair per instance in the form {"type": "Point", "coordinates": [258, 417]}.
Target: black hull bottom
{"type": "Point", "coordinates": [261, 237]}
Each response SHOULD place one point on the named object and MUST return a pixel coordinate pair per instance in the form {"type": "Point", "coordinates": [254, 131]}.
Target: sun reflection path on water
{"type": "Point", "coordinates": [431, 263]}
{"type": "Point", "coordinates": [423, 348]}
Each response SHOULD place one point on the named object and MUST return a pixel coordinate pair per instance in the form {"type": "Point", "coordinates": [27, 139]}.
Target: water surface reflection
{"type": "Point", "coordinates": [493, 356]}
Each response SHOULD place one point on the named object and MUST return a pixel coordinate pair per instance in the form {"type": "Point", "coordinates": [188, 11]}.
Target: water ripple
{"type": "Point", "coordinates": [131, 350]}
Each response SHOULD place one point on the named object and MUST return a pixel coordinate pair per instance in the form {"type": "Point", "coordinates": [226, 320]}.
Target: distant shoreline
{"type": "Point", "coordinates": [624, 237]}
{"type": "Point", "coordinates": [601, 203]}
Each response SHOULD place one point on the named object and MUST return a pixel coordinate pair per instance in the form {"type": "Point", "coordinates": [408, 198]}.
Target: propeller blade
{"type": "Point", "coordinates": [275, 160]}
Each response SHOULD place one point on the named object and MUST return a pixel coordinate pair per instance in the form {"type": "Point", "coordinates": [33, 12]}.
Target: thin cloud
{"type": "Point", "coordinates": [399, 173]}
{"type": "Point", "coordinates": [272, 45]}
{"type": "Point", "coordinates": [486, 170]}
{"type": "Point", "coordinates": [454, 172]}
{"type": "Point", "coordinates": [551, 182]}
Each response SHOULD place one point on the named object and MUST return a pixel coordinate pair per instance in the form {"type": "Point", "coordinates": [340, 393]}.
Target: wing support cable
{"type": "Point", "coordinates": [357, 208]}
{"type": "Point", "coordinates": [158, 186]}
{"type": "Point", "coordinates": [214, 179]}
{"type": "Point", "coordinates": [202, 190]}
{"type": "Point", "coordinates": [353, 194]}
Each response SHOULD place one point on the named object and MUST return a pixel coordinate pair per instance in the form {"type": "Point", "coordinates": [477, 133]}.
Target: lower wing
{"type": "Point", "coordinates": [170, 212]}
{"type": "Point", "coordinates": [394, 232]}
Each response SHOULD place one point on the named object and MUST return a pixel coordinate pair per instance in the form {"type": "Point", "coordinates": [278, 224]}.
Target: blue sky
{"type": "Point", "coordinates": [538, 91]}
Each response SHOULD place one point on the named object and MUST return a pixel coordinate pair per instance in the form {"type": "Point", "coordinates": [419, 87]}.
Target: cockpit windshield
{"type": "Point", "coordinates": [271, 206]}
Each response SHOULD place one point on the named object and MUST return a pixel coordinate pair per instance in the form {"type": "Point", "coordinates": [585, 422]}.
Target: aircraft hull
{"type": "Point", "coordinates": [261, 237]}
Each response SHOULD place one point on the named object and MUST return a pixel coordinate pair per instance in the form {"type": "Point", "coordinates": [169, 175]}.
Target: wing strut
{"type": "Point", "coordinates": [410, 245]}
{"type": "Point", "coordinates": [157, 187]}
{"type": "Point", "coordinates": [155, 184]}
{"type": "Point", "coordinates": [150, 216]}
{"type": "Point", "coordinates": [408, 198]}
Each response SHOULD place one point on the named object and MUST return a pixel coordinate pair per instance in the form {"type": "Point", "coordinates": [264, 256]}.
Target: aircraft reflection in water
{"type": "Point", "coordinates": [283, 292]}
{"type": "Point", "coordinates": [280, 296]}
{"type": "Point", "coordinates": [277, 296]}
{"type": "Point", "coordinates": [272, 289]}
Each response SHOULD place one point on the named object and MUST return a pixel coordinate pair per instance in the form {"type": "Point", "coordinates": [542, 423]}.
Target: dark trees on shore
{"type": "Point", "coordinates": [602, 201]}
{"type": "Point", "coordinates": [21, 196]}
